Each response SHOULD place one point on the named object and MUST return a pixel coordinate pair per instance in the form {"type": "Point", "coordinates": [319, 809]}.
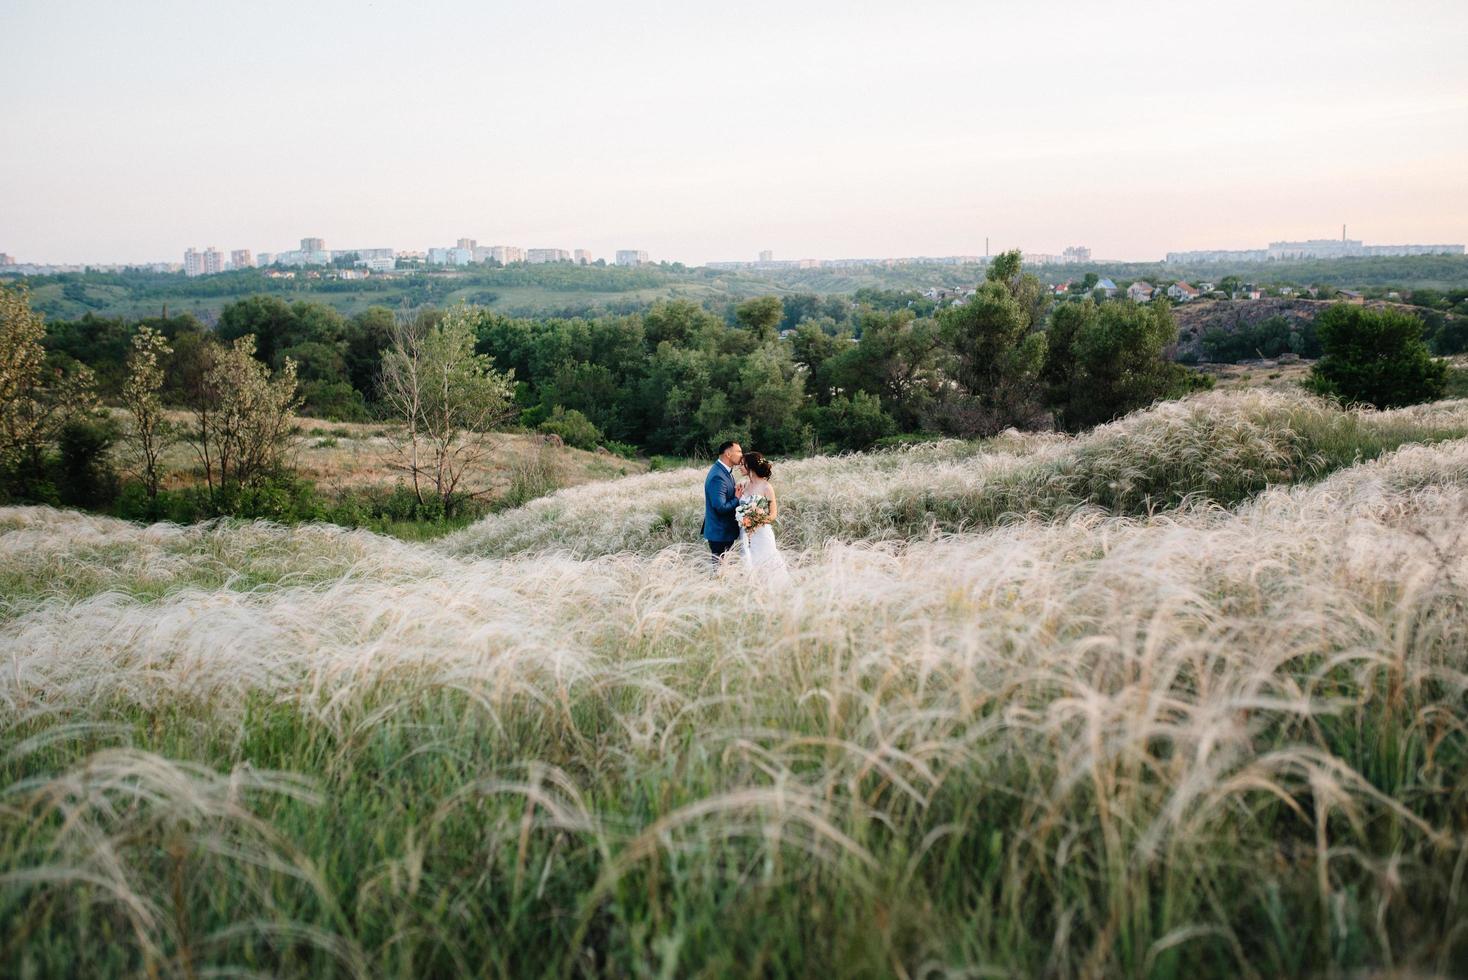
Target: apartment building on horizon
{"type": "Point", "coordinates": [450, 256]}
{"type": "Point", "coordinates": [205, 263]}
{"type": "Point", "coordinates": [631, 256]}
{"type": "Point", "coordinates": [1314, 248]}
{"type": "Point", "coordinates": [542, 256]}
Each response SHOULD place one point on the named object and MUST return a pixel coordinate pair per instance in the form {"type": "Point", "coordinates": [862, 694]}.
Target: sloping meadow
{"type": "Point", "coordinates": [1202, 740]}
{"type": "Point", "coordinates": [1222, 447]}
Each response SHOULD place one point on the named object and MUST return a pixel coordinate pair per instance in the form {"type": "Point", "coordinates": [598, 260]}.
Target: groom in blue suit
{"type": "Point", "coordinates": [720, 498]}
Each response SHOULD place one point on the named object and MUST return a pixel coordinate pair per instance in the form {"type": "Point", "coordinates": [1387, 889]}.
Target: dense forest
{"type": "Point", "coordinates": [790, 374]}
{"type": "Point", "coordinates": [795, 374]}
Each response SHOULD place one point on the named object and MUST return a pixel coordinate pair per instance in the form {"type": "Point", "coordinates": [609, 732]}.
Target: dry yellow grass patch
{"type": "Point", "coordinates": [1259, 374]}
{"type": "Point", "coordinates": [340, 456]}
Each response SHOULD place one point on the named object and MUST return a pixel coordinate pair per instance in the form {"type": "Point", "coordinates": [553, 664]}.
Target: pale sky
{"type": "Point", "coordinates": [705, 131]}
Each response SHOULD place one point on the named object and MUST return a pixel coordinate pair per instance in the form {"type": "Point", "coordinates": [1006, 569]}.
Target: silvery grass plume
{"type": "Point", "coordinates": [48, 553]}
{"type": "Point", "coordinates": [1223, 446]}
{"type": "Point", "coordinates": [1123, 738]}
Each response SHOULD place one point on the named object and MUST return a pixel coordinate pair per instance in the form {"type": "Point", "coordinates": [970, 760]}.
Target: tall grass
{"type": "Point", "coordinates": [1223, 447]}
{"type": "Point", "coordinates": [1201, 741]}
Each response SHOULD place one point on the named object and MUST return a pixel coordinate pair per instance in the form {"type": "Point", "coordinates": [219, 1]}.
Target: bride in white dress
{"type": "Point", "coordinates": [761, 553]}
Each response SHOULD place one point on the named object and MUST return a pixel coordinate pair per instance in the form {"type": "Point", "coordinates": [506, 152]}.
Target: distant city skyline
{"type": "Point", "coordinates": [467, 251]}
{"type": "Point", "coordinates": [710, 132]}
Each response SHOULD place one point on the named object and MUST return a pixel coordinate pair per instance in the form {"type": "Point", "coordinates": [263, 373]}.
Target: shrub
{"type": "Point", "coordinates": [1375, 357]}
{"type": "Point", "coordinates": [336, 401]}
{"type": "Point", "coordinates": [852, 423]}
{"type": "Point", "coordinates": [622, 449]}
{"type": "Point", "coordinates": [84, 475]}
{"type": "Point", "coordinates": [1447, 335]}
{"type": "Point", "coordinates": [574, 428]}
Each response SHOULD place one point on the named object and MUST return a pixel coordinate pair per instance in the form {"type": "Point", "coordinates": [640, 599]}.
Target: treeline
{"type": "Point", "coordinates": [676, 378]}
{"type": "Point", "coordinates": [801, 374]}
{"type": "Point", "coordinates": [101, 291]}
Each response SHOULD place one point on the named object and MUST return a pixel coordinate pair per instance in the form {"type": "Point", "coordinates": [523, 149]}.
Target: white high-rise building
{"type": "Point", "coordinates": [505, 254]}
{"type": "Point", "coordinates": [540, 256]}
{"type": "Point", "coordinates": [583, 257]}
{"type": "Point", "coordinates": [631, 256]}
{"type": "Point", "coordinates": [467, 243]}
{"type": "Point", "coordinates": [241, 258]}
{"type": "Point", "coordinates": [204, 263]}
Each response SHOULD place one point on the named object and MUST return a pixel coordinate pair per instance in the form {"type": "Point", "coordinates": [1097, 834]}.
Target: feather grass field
{"type": "Point", "coordinates": [1222, 447]}
{"type": "Point", "coordinates": [1186, 696]}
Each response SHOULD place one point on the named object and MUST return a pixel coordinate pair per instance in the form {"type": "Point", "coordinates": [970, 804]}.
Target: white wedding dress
{"type": "Point", "coordinates": [761, 553]}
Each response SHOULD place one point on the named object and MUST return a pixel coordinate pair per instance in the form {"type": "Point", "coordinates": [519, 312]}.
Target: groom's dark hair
{"type": "Point", "coordinates": [724, 448]}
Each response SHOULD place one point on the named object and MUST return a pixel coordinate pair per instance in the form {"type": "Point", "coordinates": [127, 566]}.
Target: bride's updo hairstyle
{"type": "Point", "coordinates": [758, 465]}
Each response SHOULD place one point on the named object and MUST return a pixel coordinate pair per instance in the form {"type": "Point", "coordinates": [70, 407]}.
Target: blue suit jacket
{"type": "Point", "coordinates": [719, 501]}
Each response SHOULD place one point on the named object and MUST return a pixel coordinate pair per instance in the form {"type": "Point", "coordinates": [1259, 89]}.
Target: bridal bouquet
{"type": "Point", "coordinates": [753, 512]}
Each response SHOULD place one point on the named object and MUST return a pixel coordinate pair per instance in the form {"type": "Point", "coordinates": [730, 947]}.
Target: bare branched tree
{"type": "Point", "coordinates": [448, 398]}
{"type": "Point", "coordinates": [36, 402]}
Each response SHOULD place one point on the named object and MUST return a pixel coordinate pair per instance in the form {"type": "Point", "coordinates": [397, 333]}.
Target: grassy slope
{"type": "Point", "coordinates": [1222, 447]}
{"type": "Point", "coordinates": [1207, 742]}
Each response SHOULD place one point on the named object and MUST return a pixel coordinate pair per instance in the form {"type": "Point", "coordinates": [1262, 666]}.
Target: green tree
{"type": "Point", "coordinates": [1375, 356]}
{"type": "Point", "coordinates": [277, 327]}
{"type": "Point", "coordinates": [896, 360]}
{"type": "Point", "coordinates": [994, 354]}
{"type": "Point", "coordinates": [268, 319]}
{"type": "Point", "coordinates": [85, 476]}
{"type": "Point", "coordinates": [813, 347]}
{"type": "Point", "coordinates": [1104, 360]}
{"type": "Point", "coordinates": [760, 316]}
{"type": "Point", "coordinates": [770, 394]}
{"type": "Point", "coordinates": [243, 417]}
{"type": "Point", "coordinates": [101, 343]}
{"type": "Point", "coordinates": [799, 307]}
{"type": "Point", "coordinates": [368, 334]}
{"type": "Point", "coordinates": [37, 401]}
{"type": "Point", "coordinates": [851, 423]}
{"type": "Point", "coordinates": [141, 394]}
